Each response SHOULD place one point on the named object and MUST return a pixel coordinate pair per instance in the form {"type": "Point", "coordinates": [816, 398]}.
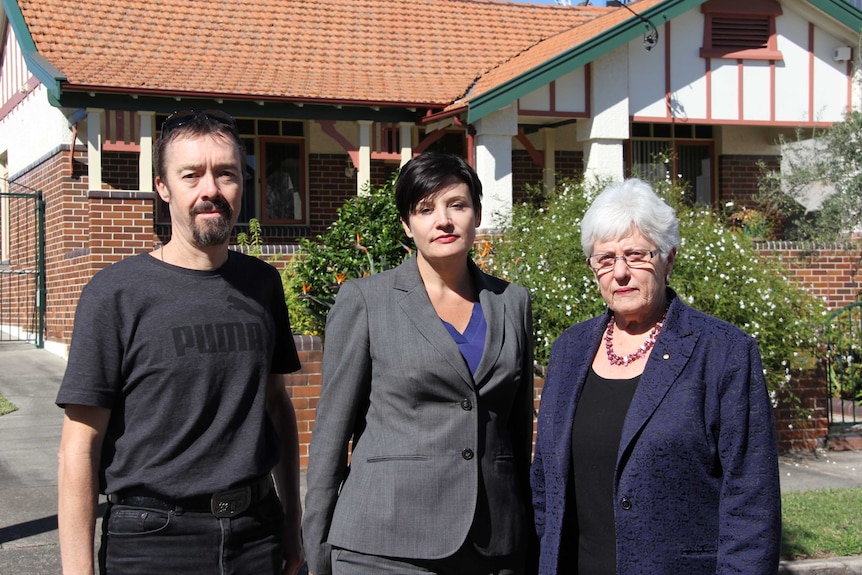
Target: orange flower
{"type": "Point", "coordinates": [340, 278]}
{"type": "Point", "coordinates": [305, 288]}
{"type": "Point", "coordinates": [486, 248]}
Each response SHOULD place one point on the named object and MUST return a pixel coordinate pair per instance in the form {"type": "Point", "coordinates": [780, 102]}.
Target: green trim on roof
{"type": "Point", "coordinates": [575, 58]}
{"type": "Point", "coordinates": [163, 104]}
{"type": "Point", "coordinates": [844, 12]}
{"type": "Point", "coordinates": [43, 70]}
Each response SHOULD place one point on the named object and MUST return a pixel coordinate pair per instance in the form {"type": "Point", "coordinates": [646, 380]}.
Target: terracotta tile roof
{"type": "Point", "coordinates": [377, 51]}
{"type": "Point", "coordinates": [554, 46]}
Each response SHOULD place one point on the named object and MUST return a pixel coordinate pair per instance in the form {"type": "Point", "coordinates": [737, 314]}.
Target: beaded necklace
{"type": "Point", "coordinates": [647, 345]}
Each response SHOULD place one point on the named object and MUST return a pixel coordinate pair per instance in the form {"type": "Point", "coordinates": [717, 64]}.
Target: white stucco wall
{"type": "Point", "coordinates": [494, 135]}
{"type": "Point", "coordinates": [784, 91]}
{"type": "Point", "coordinates": [318, 142]}
{"type": "Point", "coordinates": [748, 140]}
{"type": "Point", "coordinates": [32, 130]}
{"type": "Point", "coordinates": [687, 79]}
{"type": "Point", "coordinates": [603, 134]}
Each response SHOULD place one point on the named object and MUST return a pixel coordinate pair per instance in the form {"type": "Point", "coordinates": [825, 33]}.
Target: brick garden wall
{"type": "Point", "coordinates": [304, 389]}
{"type": "Point", "coordinates": [802, 423]}
{"type": "Point", "coordinates": [831, 272]}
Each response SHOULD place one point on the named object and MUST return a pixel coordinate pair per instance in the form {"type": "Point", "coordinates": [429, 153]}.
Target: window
{"type": "Point", "coordinates": [686, 157]}
{"type": "Point", "coordinates": [282, 180]}
{"type": "Point", "coordinates": [740, 29]}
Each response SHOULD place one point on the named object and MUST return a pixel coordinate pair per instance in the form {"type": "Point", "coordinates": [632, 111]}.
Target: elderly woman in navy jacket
{"type": "Point", "coordinates": [656, 448]}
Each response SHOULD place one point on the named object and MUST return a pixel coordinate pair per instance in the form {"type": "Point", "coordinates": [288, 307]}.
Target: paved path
{"type": "Point", "coordinates": [29, 438]}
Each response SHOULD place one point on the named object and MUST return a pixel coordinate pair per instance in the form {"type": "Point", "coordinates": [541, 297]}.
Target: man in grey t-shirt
{"type": "Point", "coordinates": [174, 393]}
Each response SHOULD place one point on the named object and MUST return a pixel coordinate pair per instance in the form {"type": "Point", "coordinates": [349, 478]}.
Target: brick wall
{"type": "Point", "coordinates": [526, 172]}
{"type": "Point", "coordinates": [328, 188]}
{"type": "Point", "coordinates": [831, 272]}
{"type": "Point", "coordinates": [304, 389]}
{"type": "Point", "coordinates": [120, 170]}
{"type": "Point", "coordinates": [801, 423]}
{"type": "Point", "coordinates": [85, 230]}
{"type": "Point", "coordinates": [738, 177]}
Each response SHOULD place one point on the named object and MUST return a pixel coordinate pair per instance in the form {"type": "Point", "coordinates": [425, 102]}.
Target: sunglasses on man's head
{"type": "Point", "coordinates": [183, 117]}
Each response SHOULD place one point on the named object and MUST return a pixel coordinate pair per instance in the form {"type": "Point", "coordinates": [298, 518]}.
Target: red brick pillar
{"type": "Point", "coordinates": [801, 420]}
{"type": "Point", "coordinates": [304, 389]}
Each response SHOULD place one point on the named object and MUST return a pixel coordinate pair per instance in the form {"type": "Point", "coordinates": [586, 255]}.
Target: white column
{"type": "Point", "coordinates": [406, 136]}
{"type": "Point", "coordinates": [493, 140]}
{"type": "Point", "coordinates": [145, 158]}
{"type": "Point", "coordinates": [94, 147]}
{"type": "Point", "coordinates": [363, 176]}
{"type": "Point", "coordinates": [604, 159]}
{"type": "Point", "coordinates": [549, 142]}
{"type": "Point", "coordinates": [604, 134]}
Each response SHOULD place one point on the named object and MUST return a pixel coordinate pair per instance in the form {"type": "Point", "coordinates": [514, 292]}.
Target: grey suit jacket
{"type": "Point", "coordinates": [438, 454]}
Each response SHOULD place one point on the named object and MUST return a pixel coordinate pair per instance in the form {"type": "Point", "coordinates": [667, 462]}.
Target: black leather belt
{"type": "Point", "coordinates": [228, 503]}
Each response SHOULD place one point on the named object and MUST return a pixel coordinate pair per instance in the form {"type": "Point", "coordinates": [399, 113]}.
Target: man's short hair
{"type": "Point", "coordinates": [195, 123]}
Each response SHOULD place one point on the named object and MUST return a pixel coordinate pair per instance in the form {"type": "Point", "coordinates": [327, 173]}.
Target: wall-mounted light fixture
{"type": "Point", "coordinates": [349, 169]}
{"type": "Point", "coordinates": [651, 35]}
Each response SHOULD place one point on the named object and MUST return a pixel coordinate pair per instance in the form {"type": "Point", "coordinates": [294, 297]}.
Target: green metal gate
{"type": "Point", "coordinates": [22, 264]}
{"type": "Point", "coordinates": [844, 365]}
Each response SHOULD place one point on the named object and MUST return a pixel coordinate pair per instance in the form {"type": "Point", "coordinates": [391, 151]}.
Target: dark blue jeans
{"type": "Point", "coordinates": [140, 541]}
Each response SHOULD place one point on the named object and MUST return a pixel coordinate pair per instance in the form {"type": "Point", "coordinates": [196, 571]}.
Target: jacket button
{"type": "Point", "coordinates": [467, 454]}
{"type": "Point", "coordinates": [466, 404]}
{"type": "Point", "coordinates": [626, 503]}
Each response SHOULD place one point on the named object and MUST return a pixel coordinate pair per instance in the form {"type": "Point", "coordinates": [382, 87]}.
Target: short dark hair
{"type": "Point", "coordinates": [426, 173]}
{"type": "Point", "coordinates": [192, 123]}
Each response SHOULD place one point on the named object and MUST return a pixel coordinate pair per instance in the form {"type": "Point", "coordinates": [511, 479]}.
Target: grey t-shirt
{"type": "Point", "coordinates": [182, 358]}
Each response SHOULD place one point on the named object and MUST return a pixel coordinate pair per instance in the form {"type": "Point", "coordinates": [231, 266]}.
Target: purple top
{"type": "Point", "coordinates": [472, 341]}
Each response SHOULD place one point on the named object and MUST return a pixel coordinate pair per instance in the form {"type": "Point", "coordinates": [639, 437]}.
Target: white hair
{"type": "Point", "coordinates": [624, 207]}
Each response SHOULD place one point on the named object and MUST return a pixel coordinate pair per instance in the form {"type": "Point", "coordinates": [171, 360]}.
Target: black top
{"type": "Point", "coordinates": [596, 433]}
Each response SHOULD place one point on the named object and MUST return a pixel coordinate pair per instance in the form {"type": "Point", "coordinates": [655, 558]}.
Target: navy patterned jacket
{"type": "Point", "coordinates": [696, 485]}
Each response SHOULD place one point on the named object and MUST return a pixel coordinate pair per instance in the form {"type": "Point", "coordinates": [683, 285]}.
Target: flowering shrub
{"type": "Point", "coordinates": [717, 271]}
{"type": "Point", "coordinates": [366, 237]}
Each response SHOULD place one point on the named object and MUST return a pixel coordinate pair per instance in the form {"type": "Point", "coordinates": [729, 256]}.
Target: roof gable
{"type": "Point", "coordinates": [577, 47]}
{"type": "Point", "coordinates": [574, 49]}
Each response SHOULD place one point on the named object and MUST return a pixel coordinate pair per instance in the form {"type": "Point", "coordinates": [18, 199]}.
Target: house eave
{"type": "Point", "coordinates": [166, 101]}
{"type": "Point", "coordinates": [843, 12]}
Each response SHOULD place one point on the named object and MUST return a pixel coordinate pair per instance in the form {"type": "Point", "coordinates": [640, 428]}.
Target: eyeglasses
{"type": "Point", "coordinates": [633, 259]}
{"type": "Point", "coordinates": [183, 117]}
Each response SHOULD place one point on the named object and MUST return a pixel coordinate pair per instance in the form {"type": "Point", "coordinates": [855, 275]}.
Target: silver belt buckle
{"type": "Point", "coordinates": [230, 503]}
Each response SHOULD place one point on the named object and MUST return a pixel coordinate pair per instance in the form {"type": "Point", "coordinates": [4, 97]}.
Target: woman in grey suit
{"type": "Point", "coordinates": [428, 370]}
